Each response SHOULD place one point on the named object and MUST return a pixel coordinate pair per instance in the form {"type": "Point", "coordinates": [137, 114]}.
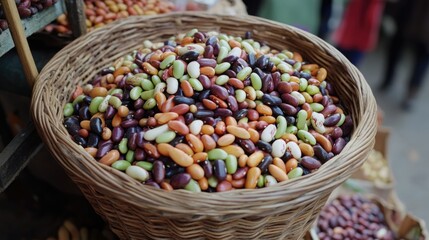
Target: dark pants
{"type": "Point", "coordinates": [421, 62]}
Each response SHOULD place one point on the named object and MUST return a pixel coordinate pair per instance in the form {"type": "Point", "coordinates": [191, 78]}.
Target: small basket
{"type": "Point", "coordinates": [135, 211]}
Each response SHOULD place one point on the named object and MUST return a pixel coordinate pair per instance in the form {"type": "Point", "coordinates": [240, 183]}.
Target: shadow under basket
{"type": "Point", "coordinates": [134, 211]}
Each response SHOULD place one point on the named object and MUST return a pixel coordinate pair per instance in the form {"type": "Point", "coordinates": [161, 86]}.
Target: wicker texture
{"type": "Point", "coordinates": [134, 211]}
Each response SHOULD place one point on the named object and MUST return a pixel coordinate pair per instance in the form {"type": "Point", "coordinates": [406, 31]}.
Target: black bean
{"type": "Point", "coordinates": [93, 140]}
{"type": "Point", "coordinates": [190, 56]}
{"type": "Point", "coordinates": [95, 125]}
{"type": "Point", "coordinates": [201, 114]}
{"type": "Point", "coordinates": [264, 146]}
{"type": "Point", "coordinates": [219, 170]}
{"type": "Point", "coordinates": [242, 113]}
{"type": "Point", "coordinates": [117, 134]}
{"type": "Point", "coordinates": [185, 100]}
{"type": "Point", "coordinates": [222, 112]}
{"type": "Point", "coordinates": [271, 100]}
{"type": "Point", "coordinates": [79, 140]}
{"type": "Point", "coordinates": [266, 161]}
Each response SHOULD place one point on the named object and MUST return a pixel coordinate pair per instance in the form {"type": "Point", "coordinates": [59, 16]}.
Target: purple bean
{"type": "Point", "coordinates": [232, 103]}
{"type": "Point", "coordinates": [180, 180]}
{"type": "Point", "coordinates": [129, 123]}
{"type": "Point", "coordinates": [289, 99]}
{"type": "Point", "coordinates": [240, 173]}
{"type": "Point", "coordinates": [207, 62]}
{"type": "Point", "coordinates": [338, 145]}
{"type": "Point", "coordinates": [158, 171]}
{"type": "Point", "coordinates": [208, 168]}
{"type": "Point", "coordinates": [103, 149]}
{"type": "Point", "coordinates": [110, 112]}
{"type": "Point", "coordinates": [219, 92]}
{"type": "Point", "coordinates": [332, 120]}
{"type": "Point", "coordinates": [222, 112]}
{"type": "Point", "coordinates": [310, 163]}
{"type": "Point", "coordinates": [139, 154]}
{"type": "Point", "coordinates": [219, 170]}
{"type": "Point", "coordinates": [117, 134]}
{"type": "Point", "coordinates": [132, 142]}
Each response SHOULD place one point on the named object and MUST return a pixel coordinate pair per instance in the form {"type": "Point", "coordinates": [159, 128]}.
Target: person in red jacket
{"type": "Point", "coordinates": [357, 33]}
{"type": "Point", "coordinates": [412, 21]}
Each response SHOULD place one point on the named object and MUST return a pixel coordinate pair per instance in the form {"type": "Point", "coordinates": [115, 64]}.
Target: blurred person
{"type": "Point", "coordinates": [357, 33]}
{"type": "Point", "coordinates": [412, 20]}
{"type": "Point", "coordinates": [325, 16]}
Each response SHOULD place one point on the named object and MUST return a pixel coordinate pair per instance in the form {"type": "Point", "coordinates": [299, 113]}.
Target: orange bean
{"type": "Point", "coordinates": [164, 149]}
{"type": "Point", "coordinates": [208, 71]}
{"type": "Point", "coordinates": [121, 71]}
{"type": "Point", "coordinates": [199, 157]}
{"type": "Point", "coordinates": [110, 157]}
{"type": "Point", "coordinates": [178, 127]}
{"type": "Point", "coordinates": [151, 150]}
{"type": "Point", "coordinates": [207, 129]}
{"type": "Point", "coordinates": [123, 111]}
{"type": "Point", "coordinates": [78, 91]}
{"type": "Point", "coordinates": [238, 132]}
{"type": "Point", "coordinates": [254, 135]}
{"type": "Point", "coordinates": [188, 91]}
{"type": "Point", "coordinates": [163, 118]}
{"type": "Point", "coordinates": [279, 163]}
{"type": "Point", "coordinates": [181, 158]}
{"type": "Point", "coordinates": [255, 158]}
{"type": "Point", "coordinates": [116, 121]}
{"type": "Point", "coordinates": [98, 92]}
{"type": "Point", "coordinates": [242, 160]}
{"type": "Point", "coordinates": [208, 142]}
{"type": "Point", "coordinates": [166, 186]}
{"type": "Point", "coordinates": [226, 140]}
{"type": "Point", "coordinates": [233, 150]}
{"type": "Point", "coordinates": [291, 164]}
{"type": "Point", "coordinates": [252, 177]}
{"type": "Point", "coordinates": [85, 124]}
{"type": "Point", "coordinates": [185, 148]}
{"type": "Point", "coordinates": [148, 68]}
{"type": "Point", "coordinates": [277, 173]}
{"type": "Point", "coordinates": [220, 128]}
{"type": "Point", "coordinates": [91, 150]}
{"type": "Point", "coordinates": [195, 143]}
{"type": "Point", "coordinates": [196, 171]}
{"type": "Point", "coordinates": [204, 184]}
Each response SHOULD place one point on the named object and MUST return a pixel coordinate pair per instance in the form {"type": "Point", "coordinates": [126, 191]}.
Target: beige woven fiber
{"type": "Point", "coordinates": [134, 211]}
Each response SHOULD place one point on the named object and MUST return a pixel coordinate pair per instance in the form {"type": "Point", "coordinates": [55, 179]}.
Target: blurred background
{"type": "Point", "coordinates": [387, 40]}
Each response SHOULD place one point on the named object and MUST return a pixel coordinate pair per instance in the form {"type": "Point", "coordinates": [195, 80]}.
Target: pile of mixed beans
{"type": "Point", "coordinates": [209, 112]}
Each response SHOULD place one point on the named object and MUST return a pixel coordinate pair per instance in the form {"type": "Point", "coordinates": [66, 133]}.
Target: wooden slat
{"type": "Point", "coordinates": [16, 155]}
{"type": "Point", "coordinates": [31, 25]}
{"type": "Point", "coordinates": [76, 17]}
{"type": "Point", "coordinates": [20, 40]}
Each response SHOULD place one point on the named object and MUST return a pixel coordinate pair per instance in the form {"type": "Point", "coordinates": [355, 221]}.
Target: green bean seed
{"type": "Point", "coordinates": [166, 137]}
{"type": "Point", "coordinates": [149, 104]}
{"type": "Point", "coordinates": [68, 110]}
{"type": "Point", "coordinates": [95, 103]}
{"type": "Point", "coordinates": [231, 164]}
{"type": "Point", "coordinates": [216, 154]}
{"type": "Point", "coordinates": [129, 156]}
{"type": "Point", "coordinates": [121, 165]}
{"type": "Point", "coordinates": [222, 67]}
{"type": "Point", "coordinates": [146, 165]}
{"type": "Point", "coordinates": [123, 147]}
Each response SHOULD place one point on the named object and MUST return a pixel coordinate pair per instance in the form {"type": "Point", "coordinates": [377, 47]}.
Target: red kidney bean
{"type": "Point", "coordinates": [338, 145]}
{"type": "Point", "coordinates": [139, 154]}
{"type": "Point", "coordinates": [232, 103]}
{"type": "Point", "coordinates": [347, 126]}
{"type": "Point", "coordinates": [95, 126]}
{"type": "Point", "coordinates": [180, 180]}
{"type": "Point", "coordinates": [266, 81]}
{"type": "Point", "coordinates": [153, 184]}
{"type": "Point", "coordinates": [289, 99]}
{"type": "Point", "coordinates": [132, 142]}
{"type": "Point", "coordinates": [138, 103]}
{"type": "Point", "coordinates": [208, 168]}
{"type": "Point", "coordinates": [266, 161]}
{"type": "Point", "coordinates": [219, 92]}
{"type": "Point", "coordinates": [328, 110]}
{"type": "Point", "coordinates": [139, 113]}
{"type": "Point", "coordinates": [231, 59]}
{"type": "Point", "coordinates": [224, 186]}
{"type": "Point", "coordinates": [219, 170]}
{"type": "Point", "coordinates": [284, 87]}
{"type": "Point", "coordinates": [129, 123]}
{"type": "Point", "coordinates": [336, 133]}
{"type": "Point", "coordinates": [222, 112]}
{"type": "Point", "coordinates": [243, 105]}
{"type": "Point", "coordinates": [240, 173]}
{"type": "Point", "coordinates": [117, 134]}
{"type": "Point", "coordinates": [332, 120]}
{"type": "Point", "coordinates": [310, 163]}
{"type": "Point", "coordinates": [247, 145]}
{"type": "Point", "coordinates": [103, 149]}
{"type": "Point", "coordinates": [110, 112]}
{"type": "Point", "coordinates": [231, 74]}
{"type": "Point", "coordinates": [158, 171]}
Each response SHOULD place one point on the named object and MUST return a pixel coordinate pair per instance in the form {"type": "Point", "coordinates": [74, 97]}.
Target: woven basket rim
{"type": "Point", "coordinates": [237, 196]}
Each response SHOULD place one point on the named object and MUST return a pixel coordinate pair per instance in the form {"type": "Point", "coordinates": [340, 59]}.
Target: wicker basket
{"type": "Point", "coordinates": [132, 210]}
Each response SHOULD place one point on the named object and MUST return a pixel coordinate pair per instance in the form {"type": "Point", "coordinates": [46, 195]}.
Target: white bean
{"type": "Point", "coordinates": [195, 126]}
{"type": "Point", "coordinates": [268, 133]}
{"type": "Point", "coordinates": [279, 148]}
{"type": "Point", "coordinates": [294, 150]}
{"type": "Point", "coordinates": [193, 69]}
{"type": "Point", "coordinates": [172, 85]}
{"type": "Point", "coordinates": [137, 173]}
{"type": "Point", "coordinates": [151, 134]}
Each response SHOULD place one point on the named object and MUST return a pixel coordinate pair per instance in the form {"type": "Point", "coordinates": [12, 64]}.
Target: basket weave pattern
{"type": "Point", "coordinates": [134, 211]}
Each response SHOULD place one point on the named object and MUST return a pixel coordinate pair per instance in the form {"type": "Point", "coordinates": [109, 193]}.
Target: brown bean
{"type": "Point", "coordinates": [238, 132]}
{"type": "Point", "coordinates": [208, 142]}
{"type": "Point", "coordinates": [306, 149]}
{"type": "Point", "coordinates": [180, 109]}
{"type": "Point", "coordinates": [110, 157]}
{"type": "Point", "coordinates": [196, 171]}
{"type": "Point", "coordinates": [291, 164]}
{"type": "Point", "coordinates": [277, 173]}
{"type": "Point", "coordinates": [209, 104]}
{"type": "Point", "coordinates": [178, 127]}
{"type": "Point", "coordinates": [180, 157]}
{"type": "Point", "coordinates": [233, 150]}
{"type": "Point", "coordinates": [223, 186]}
{"type": "Point", "coordinates": [151, 150]}
{"type": "Point", "coordinates": [252, 177]}
{"type": "Point", "coordinates": [226, 140]}
{"type": "Point", "coordinates": [199, 157]}
{"type": "Point", "coordinates": [188, 91]}
{"type": "Point", "coordinates": [166, 186]}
